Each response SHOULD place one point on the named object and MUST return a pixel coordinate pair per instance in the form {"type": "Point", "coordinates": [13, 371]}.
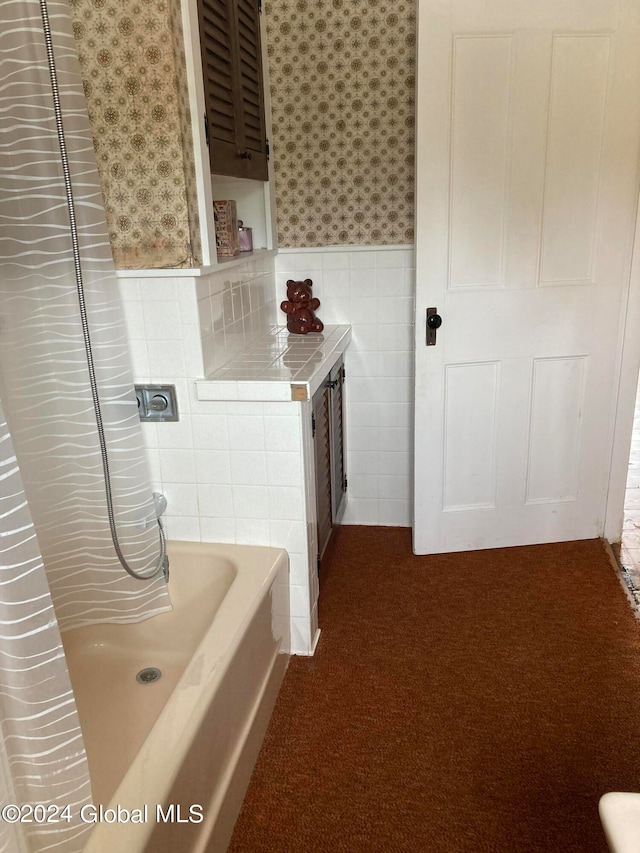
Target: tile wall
{"type": "Point", "coordinates": [231, 471]}
{"type": "Point", "coordinates": [236, 471]}
{"type": "Point", "coordinates": [373, 290]}
{"type": "Point", "coordinates": [235, 308]}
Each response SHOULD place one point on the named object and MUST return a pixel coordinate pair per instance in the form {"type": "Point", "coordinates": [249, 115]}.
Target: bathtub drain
{"type": "Point", "coordinates": [148, 675]}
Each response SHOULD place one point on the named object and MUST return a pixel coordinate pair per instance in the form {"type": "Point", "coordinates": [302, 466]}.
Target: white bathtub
{"type": "Point", "coordinates": [188, 742]}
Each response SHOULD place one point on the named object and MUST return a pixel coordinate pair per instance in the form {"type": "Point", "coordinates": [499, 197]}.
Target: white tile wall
{"type": "Point", "coordinates": [234, 308]}
{"type": "Point", "coordinates": [161, 317]}
{"type": "Point", "coordinates": [371, 289]}
{"type": "Point", "coordinates": [231, 471]}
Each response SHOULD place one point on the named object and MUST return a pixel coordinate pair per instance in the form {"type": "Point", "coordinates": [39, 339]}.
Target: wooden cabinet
{"type": "Point", "coordinates": [233, 87]}
{"type": "Point", "coordinates": [328, 438]}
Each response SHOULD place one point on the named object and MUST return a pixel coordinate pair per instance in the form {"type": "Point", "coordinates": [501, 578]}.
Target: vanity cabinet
{"type": "Point", "coordinates": [328, 445]}
{"type": "Point", "coordinates": [231, 51]}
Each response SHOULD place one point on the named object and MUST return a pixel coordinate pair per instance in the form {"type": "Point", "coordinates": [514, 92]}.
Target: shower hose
{"type": "Point", "coordinates": [162, 563]}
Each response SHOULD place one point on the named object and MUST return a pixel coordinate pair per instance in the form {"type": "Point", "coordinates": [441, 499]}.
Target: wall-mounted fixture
{"type": "Point", "coordinates": [157, 402]}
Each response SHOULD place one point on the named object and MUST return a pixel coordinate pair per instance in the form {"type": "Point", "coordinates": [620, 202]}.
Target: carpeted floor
{"type": "Point", "coordinates": [464, 702]}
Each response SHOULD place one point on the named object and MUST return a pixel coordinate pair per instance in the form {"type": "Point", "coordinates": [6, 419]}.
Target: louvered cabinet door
{"type": "Point", "coordinates": [336, 431]}
{"type": "Point", "coordinates": [322, 452]}
{"type": "Point", "coordinates": [232, 76]}
{"type": "Point", "coordinates": [252, 127]}
{"type": "Point", "coordinates": [328, 437]}
{"type": "Point", "coordinates": [221, 83]}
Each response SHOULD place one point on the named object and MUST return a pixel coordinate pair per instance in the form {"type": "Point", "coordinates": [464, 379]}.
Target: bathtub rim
{"type": "Point", "coordinates": [152, 771]}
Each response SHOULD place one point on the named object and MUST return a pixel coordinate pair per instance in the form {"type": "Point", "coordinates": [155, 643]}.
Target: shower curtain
{"type": "Point", "coordinates": [58, 568]}
{"type": "Point", "coordinates": [42, 757]}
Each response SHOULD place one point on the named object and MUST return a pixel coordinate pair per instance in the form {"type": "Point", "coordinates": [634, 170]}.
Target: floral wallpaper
{"type": "Point", "coordinates": [184, 111]}
{"type": "Point", "coordinates": [137, 115]}
{"type": "Point", "coordinates": [342, 100]}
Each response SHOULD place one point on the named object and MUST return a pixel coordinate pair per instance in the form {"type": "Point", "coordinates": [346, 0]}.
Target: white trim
{"type": "Point", "coordinates": [283, 250]}
{"type": "Point", "coordinates": [624, 405]}
{"type": "Point", "coordinates": [195, 272]}
{"type": "Point", "coordinates": [269, 188]}
{"type": "Point", "coordinates": [314, 644]}
{"type": "Point", "coordinates": [191, 35]}
{"type": "Point", "coordinates": [223, 264]}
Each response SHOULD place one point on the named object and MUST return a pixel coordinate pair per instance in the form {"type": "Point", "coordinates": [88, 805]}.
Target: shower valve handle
{"type": "Point", "coordinates": [158, 403]}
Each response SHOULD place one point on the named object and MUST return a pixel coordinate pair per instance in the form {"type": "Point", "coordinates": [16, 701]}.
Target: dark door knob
{"type": "Point", "coordinates": [434, 321]}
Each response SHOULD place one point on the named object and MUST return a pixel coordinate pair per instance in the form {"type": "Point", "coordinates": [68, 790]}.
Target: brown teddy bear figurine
{"type": "Point", "coordinates": [299, 307]}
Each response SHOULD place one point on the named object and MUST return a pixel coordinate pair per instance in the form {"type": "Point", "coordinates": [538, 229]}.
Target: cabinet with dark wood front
{"type": "Point", "coordinates": [328, 446]}
{"type": "Point", "coordinates": [231, 52]}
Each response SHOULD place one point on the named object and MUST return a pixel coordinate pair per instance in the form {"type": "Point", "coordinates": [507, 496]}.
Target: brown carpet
{"type": "Point", "coordinates": [465, 702]}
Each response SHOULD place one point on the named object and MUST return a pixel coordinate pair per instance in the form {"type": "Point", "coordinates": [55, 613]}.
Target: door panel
{"type": "Point", "coordinates": [470, 443]}
{"type": "Point", "coordinates": [555, 421]}
{"type": "Point", "coordinates": [528, 125]}
{"type": "Point", "coordinates": [573, 162]}
{"type": "Point", "coordinates": [479, 160]}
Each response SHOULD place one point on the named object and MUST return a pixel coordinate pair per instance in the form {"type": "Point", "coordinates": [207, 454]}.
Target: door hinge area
{"type": "Point", "coordinates": [318, 564]}
{"type": "Point", "coordinates": [345, 484]}
{"type": "Point", "coordinates": [206, 129]}
{"type": "Point", "coordinates": [313, 425]}
{"type": "Point", "coordinates": [268, 149]}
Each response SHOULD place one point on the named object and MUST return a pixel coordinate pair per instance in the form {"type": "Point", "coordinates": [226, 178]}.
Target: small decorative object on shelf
{"type": "Point", "coordinates": [226, 218]}
{"type": "Point", "coordinates": [299, 307]}
{"type": "Point", "coordinates": [245, 237]}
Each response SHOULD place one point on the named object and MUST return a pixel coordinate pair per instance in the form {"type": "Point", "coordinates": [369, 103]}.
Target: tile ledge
{"type": "Point", "coordinates": [292, 385]}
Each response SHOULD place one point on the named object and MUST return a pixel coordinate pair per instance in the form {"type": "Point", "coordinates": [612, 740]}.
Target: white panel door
{"type": "Point", "coordinates": [528, 139]}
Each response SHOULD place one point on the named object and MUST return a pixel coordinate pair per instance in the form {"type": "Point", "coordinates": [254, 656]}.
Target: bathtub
{"type": "Point", "coordinates": [170, 759]}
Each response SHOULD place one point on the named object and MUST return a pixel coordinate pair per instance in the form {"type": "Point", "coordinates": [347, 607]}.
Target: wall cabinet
{"type": "Point", "coordinates": [233, 87]}
{"type": "Point", "coordinates": [328, 439]}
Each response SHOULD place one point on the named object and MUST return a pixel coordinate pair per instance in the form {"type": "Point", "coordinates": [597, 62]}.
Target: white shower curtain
{"type": "Point", "coordinates": [62, 523]}
{"type": "Point", "coordinates": [42, 757]}
{"type": "Point", "coordinates": [44, 383]}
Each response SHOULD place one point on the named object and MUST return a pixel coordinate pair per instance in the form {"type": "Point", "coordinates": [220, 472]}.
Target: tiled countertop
{"type": "Point", "coordinates": [279, 366]}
